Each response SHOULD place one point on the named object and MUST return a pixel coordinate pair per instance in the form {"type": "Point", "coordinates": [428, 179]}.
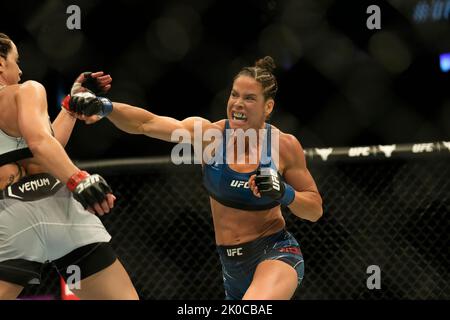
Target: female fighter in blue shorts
{"type": "Point", "coordinates": [260, 259]}
{"type": "Point", "coordinates": [42, 194]}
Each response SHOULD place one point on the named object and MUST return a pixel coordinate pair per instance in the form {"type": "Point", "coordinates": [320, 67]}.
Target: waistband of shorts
{"type": "Point", "coordinates": [246, 249]}
{"type": "Point", "coordinates": [33, 187]}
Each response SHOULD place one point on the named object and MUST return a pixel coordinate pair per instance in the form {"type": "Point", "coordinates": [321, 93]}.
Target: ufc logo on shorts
{"type": "Point", "coordinates": [88, 182]}
{"type": "Point", "coordinates": [234, 252]}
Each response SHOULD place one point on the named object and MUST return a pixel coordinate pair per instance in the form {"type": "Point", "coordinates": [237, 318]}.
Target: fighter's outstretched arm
{"type": "Point", "coordinates": [136, 120]}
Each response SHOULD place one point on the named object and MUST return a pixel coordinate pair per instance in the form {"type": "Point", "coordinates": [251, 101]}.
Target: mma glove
{"type": "Point", "coordinates": [91, 84]}
{"type": "Point", "coordinates": [88, 189]}
{"type": "Point", "coordinates": [88, 104]}
{"type": "Point", "coordinates": [83, 95]}
{"type": "Point", "coordinates": [270, 184]}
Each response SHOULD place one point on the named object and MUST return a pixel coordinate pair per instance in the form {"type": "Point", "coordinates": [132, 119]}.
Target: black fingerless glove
{"type": "Point", "coordinates": [270, 184]}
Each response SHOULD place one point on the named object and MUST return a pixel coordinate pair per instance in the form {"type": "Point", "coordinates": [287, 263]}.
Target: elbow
{"type": "Point", "coordinates": [312, 214]}
{"type": "Point", "coordinates": [37, 144]}
{"type": "Point", "coordinates": [319, 209]}
{"type": "Point", "coordinates": [316, 211]}
{"type": "Point", "coordinates": [317, 214]}
{"type": "Point", "coordinates": [35, 147]}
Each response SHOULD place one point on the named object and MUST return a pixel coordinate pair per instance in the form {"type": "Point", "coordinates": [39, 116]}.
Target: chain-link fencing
{"type": "Point", "coordinates": [390, 212]}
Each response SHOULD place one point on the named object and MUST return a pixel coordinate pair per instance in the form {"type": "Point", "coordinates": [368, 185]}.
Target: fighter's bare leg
{"type": "Point", "coordinates": [111, 283]}
{"type": "Point", "coordinates": [273, 280]}
{"type": "Point", "coordinates": [9, 291]}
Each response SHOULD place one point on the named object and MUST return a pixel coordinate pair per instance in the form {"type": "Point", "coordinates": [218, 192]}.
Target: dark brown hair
{"type": "Point", "coordinates": [262, 72]}
{"type": "Point", "coordinates": [5, 45]}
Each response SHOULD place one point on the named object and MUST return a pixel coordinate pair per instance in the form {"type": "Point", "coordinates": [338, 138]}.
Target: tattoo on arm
{"type": "Point", "coordinates": [12, 177]}
{"type": "Point", "coordinates": [10, 180]}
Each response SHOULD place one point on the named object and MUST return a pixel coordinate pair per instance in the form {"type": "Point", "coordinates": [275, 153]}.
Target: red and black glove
{"type": "Point", "coordinates": [88, 104]}
{"type": "Point", "coordinates": [88, 189]}
{"type": "Point", "coordinates": [94, 85]}
{"type": "Point", "coordinates": [87, 82]}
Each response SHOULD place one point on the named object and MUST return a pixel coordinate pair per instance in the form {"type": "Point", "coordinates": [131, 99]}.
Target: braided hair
{"type": "Point", "coordinates": [262, 72]}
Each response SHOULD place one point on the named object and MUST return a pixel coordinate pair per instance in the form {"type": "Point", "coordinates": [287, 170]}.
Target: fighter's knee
{"type": "Point", "coordinates": [9, 291]}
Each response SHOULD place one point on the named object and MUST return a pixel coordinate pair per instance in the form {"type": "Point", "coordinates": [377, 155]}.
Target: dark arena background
{"type": "Point", "coordinates": [368, 99]}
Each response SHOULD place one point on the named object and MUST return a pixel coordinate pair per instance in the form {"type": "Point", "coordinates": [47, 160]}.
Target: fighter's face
{"type": "Point", "coordinates": [247, 107]}
{"type": "Point", "coordinates": [9, 67]}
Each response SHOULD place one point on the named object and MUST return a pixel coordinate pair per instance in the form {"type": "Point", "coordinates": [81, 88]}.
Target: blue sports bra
{"type": "Point", "coordinates": [229, 187]}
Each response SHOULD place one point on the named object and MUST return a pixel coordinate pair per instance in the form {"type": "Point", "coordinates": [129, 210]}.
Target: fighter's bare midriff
{"type": "Point", "coordinates": [234, 226]}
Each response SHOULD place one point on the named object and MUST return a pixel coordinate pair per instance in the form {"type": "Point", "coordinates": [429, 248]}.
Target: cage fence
{"type": "Point", "coordinates": [383, 206]}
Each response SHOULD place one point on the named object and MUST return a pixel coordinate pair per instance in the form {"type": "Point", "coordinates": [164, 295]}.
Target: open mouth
{"type": "Point", "coordinates": [238, 116]}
